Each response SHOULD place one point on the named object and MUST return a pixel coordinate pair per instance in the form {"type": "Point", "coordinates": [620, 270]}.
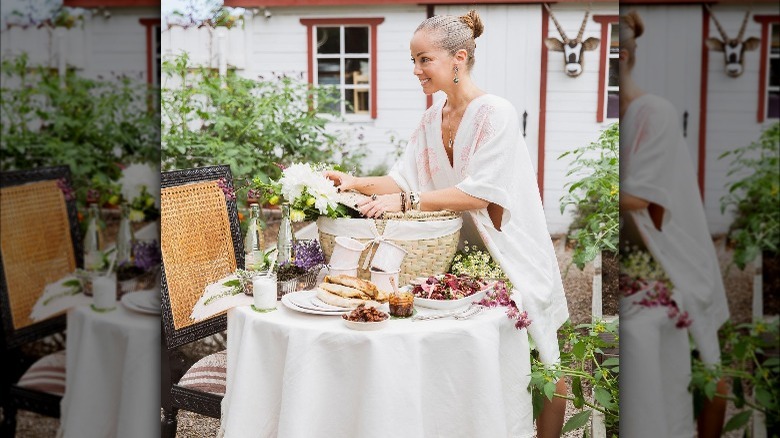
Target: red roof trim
{"type": "Point", "coordinates": [111, 3]}
{"type": "Point", "coordinates": [373, 22]}
{"type": "Point", "coordinates": [765, 21]}
{"type": "Point", "coordinates": [298, 3]}
{"type": "Point", "coordinates": [692, 2]}
{"type": "Point", "coordinates": [604, 21]}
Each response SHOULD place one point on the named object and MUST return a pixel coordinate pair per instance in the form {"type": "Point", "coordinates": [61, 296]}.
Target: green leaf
{"type": "Point", "coordinates": [739, 393]}
{"type": "Point", "coordinates": [604, 397]}
{"type": "Point", "coordinates": [549, 390]}
{"type": "Point", "coordinates": [537, 399]}
{"type": "Point", "coordinates": [738, 421]}
{"type": "Point", "coordinates": [576, 388]}
{"type": "Point", "coordinates": [232, 283]}
{"type": "Point", "coordinates": [577, 421]}
{"type": "Point", "coordinates": [578, 350]}
{"type": "Point", "coordinates": [763, 397]}
{"type": "Point", "coordinates": [612, 361]}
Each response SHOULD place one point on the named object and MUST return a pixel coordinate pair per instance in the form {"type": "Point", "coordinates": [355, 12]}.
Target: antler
{"type": "Point", "coordinates": [744, 25]}
{"type": "Point", "coordinates": [557, 25]}
{"type": "Point", "coordinates": [717, 24]}
{"type": "Point", "coordinates": [584, 23]}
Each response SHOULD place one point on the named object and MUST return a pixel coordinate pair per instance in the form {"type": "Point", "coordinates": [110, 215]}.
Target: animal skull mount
{"type": "Point", "coordinates": [733, 48]}
{"type": "Point", "coordinates": [572, 48]}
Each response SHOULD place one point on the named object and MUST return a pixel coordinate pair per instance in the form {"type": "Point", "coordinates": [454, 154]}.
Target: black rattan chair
{"type": "Point", "coordinates": [201, 242]}
{"type": "Point", "coordinates": [41, 243]}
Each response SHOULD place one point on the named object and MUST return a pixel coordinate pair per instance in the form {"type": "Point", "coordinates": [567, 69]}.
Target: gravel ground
{"type": "Point", "coordinates": [578, 287]}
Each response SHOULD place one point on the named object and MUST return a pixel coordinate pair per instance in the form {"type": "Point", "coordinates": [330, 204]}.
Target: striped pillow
{"type": "Point", "coordinates": [47, 374]}
{"type": "Point", "coordinates": [208, 374]}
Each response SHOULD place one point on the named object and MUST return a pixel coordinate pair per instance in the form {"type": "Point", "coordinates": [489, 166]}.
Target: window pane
{"type": "Point", "coordinates": [614, 39]}
{"type": "Point", "coordinates": [775, 47]}
{"type": "Point", "coordinates": [328, 40]}
{"type": "Point", "coordinates": [333, 104]}
{"type": "Point", "coordinates": [328, 71]}
{"type": "Point", "coordinates": [774, 72]}
{"type": "Point", "coordinates": [773, 109]}
{"type": "Point", "coordinates": [613, 72]}
{"type": "Point", "coordinates": [357, 71]}
{"type": "Point", "coordinates": [613, 105]}
{"type": "Point", "coordinates": [356, 101]}
{"type": "Point", "coordinates": [356, 39]}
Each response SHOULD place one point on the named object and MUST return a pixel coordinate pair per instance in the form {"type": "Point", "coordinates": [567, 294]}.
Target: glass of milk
{"type": "Point", "coordinates": [264, 291]}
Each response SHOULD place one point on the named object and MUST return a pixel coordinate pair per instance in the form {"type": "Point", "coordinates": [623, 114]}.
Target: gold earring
{"type": "Point", "coordinates": [455, 79]}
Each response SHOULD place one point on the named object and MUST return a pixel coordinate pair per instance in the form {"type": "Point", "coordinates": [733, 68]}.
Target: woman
{"type": "Point", "coordinates": [467, 155]}
{"type": "Point", "coordinates": [663, 213]}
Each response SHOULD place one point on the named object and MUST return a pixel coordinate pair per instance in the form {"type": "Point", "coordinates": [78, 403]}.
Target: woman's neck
{"type": "Point", "coordinates": [629, 91]}
{"type": "Point", "coordinates": [461, 94]}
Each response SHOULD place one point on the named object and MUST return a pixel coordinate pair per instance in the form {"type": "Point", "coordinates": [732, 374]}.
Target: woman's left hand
{"type": "Point", "coordinates": [377, 205]}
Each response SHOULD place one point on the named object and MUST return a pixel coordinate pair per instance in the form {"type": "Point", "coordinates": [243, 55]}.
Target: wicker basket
{"type": "Point", "coordinates": [424, 256]}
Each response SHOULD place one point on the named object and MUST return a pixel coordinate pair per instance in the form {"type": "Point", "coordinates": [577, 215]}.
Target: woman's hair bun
{"type": "Point", "coordinates": [634, 21]}
{"type": "Point", "coordinates": [473, 21]}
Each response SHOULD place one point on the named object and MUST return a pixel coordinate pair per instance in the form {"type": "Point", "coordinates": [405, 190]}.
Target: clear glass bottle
{"type": "Point", "coordinates": [93, 240]}
{"type": "Point", "coordinates": [285, 238]}
{"type": "Point", "coordinates": [124, 239]}
{"type": "Point", "coordinates": [254, 242]}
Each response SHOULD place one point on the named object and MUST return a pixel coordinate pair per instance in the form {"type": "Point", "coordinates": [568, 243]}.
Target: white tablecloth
{"type": "Point", "coordinates": [113, 374]}
{"type": "Point", "coordinates": [296, 375]}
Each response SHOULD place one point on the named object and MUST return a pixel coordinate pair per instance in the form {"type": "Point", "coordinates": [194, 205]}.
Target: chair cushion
{"type": "Point", "coordinates": [208, 374]}
{"type": "Point", "coordinates": [47, 374]}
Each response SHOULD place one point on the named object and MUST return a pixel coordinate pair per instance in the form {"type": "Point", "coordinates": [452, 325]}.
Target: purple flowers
{"type": "Point", "coordinates": [308, 254]}
{"type": "Point", "coordinates": [147, 254]}
{"type": "Point", "coordinates": [230, 194]}
{"type": "Point", "coordinates": [499, 296]}
{"type": "Point", "coordinates": [656, 294]}
{"type": "Point", "coordinates": [67, 190]}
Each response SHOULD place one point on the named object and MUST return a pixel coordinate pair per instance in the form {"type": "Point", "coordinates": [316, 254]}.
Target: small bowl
{"type": "Point", "coordinates": [366, 326]}
{"type": "Point", "coordinates": [351, 272]}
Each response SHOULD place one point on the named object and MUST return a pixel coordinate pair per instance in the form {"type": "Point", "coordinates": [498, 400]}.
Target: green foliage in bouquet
{"type": "Point", "coordinates": [595, 196]}
{"type": "Point", "coordinates": [249, 124]}
{"type": "Point", "coordinates": [474, 262]}
{"type": "Point", "coordinates": [755, 196]}
{"type": "Point", "coordinates": [92, 125]}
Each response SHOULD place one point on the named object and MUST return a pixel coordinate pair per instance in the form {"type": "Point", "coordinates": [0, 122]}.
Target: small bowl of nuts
{"type": "Point", "coordinates": [365, 318]}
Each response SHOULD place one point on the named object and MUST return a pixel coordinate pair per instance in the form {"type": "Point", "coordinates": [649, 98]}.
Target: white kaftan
{"type": "Point", "coordinates": [655, 362]}
{"type": "Point", "coordinates": [491, 162]}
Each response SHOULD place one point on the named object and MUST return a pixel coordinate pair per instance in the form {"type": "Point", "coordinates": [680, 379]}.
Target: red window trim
{"type": "Point", "coordinates": [301, 3]}
{"type": "Point", "coordinates": [704, 84]}
{"type": "Point", "coordinates": [604, 21]}
{"type": "Point", "coordinates": [372, 22]}
{"type": "Point", "coordinates": [765, 21]}
{"type": "Point", "coordinates": [542, 105]}
{"type": "Point", "coordinates": [149, 23]}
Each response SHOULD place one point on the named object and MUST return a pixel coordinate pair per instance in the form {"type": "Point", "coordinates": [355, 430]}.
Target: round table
{"type": "Point", "coordinates": [291, 374]}
{"type": "Point", "coordinates": [113, 374]}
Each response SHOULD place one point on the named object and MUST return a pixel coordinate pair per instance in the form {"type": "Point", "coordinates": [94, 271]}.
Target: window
{"type": "Point", "coordinates": [613, 99]}
{"type": "Point", "coordinates": [342, 53]}
{"type": "Point", "coordinates": [773, 85]}
{"type": "Point", "coordinates": [608, 98]}
{"type": "Point", "coordinates": [769, 72]}
{"type": "Point", "coordinates": [153, 55]}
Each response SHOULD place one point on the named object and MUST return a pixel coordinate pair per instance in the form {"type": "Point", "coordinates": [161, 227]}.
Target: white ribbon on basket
{"type": "Point", "coordinates": [394, 230]}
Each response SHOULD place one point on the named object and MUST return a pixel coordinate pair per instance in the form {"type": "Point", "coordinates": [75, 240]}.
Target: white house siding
{"type": "Point", "coordinates": [571, 106]}
{"type": "Point", "coordinates": [732, 104]}
{"type": "Point", "coordinates": [669, 65]}
{"type": "Point", "coordinates": [507, 64]}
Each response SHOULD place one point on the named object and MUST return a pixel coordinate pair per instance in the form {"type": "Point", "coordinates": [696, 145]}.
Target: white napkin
{"type": "Point", "coordinates": [220, 299]}
{"type": "Point", "coordinates": [58, 297]}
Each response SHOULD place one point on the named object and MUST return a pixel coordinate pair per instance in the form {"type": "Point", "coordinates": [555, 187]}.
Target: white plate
{"type": "Point", "coordinates": [449, 304]}
{"type": "Point", "coordinates": [143, 301]}
{"type": "Point", "coordinates": [305, 301]}
{"type": "Point", "coordinates": [289, 301]}
{"type": "Point", "coordinates": [366, 326]}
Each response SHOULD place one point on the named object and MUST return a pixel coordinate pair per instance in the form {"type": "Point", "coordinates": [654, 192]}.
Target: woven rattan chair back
{"type": "Point", "coordinates": [201, 242]}
{"type": "Point", "coordinates": [41, 243]}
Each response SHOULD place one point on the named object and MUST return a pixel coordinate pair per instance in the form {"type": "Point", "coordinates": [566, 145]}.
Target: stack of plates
{"type": "Point", "coordinates": [306, 301]}
{"type": "Point", "coordinates": [145, 301]}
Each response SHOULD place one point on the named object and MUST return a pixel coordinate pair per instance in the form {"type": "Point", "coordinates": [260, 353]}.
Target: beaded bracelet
{"type": "Point", "coordinates": [414, 200]}
{"type": "Point", "coordinates": [403, 202]}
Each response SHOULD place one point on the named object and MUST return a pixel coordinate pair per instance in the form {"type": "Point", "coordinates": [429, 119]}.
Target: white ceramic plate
{"type": "Point", "coordinates": [291, 298]}
{"type": "Point", "coordinates": [366, 326]}
{"type": "Point", "coordinates": [450, 304]}
{"type": "Point", "coordinates": [143, 301]}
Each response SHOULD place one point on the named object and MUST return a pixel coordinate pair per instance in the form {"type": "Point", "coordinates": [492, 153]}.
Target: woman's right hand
{"type": "Point", "coordinates": [343, 181]}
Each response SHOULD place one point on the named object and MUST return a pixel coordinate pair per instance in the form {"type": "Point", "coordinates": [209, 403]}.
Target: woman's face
{"type": "Point", "coordinates": [432, 66]}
